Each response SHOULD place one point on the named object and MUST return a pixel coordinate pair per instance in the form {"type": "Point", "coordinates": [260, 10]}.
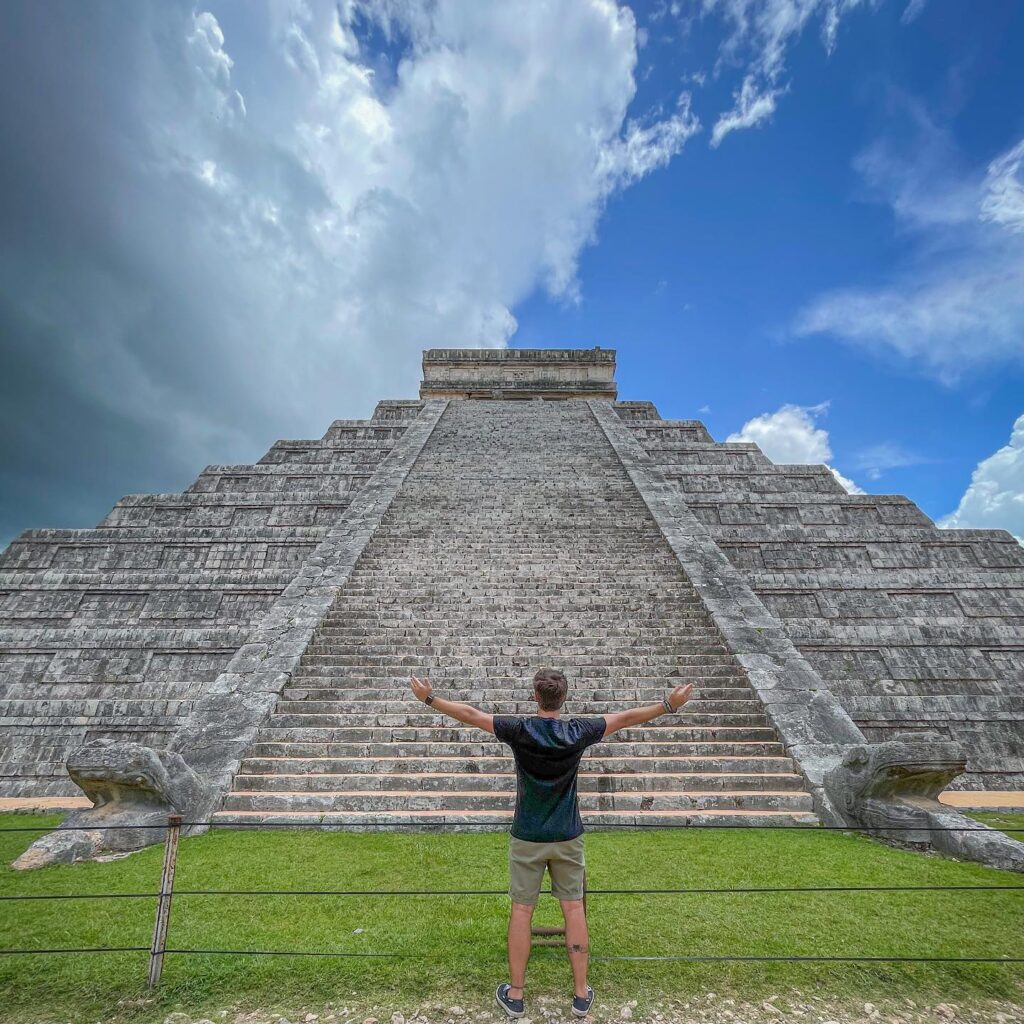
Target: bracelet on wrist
{"type": "Point", "coordinates": [429, 699]}
{"type": "Point", "coordinates": [668, 707]}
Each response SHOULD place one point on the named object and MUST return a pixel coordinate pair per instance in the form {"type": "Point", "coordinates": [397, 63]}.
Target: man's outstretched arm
{"type": "Point", "coordinates": [465, 713]}
{"type": "Point", "coordinates": [637, 716]}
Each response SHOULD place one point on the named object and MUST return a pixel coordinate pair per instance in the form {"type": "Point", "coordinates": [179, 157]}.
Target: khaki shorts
{"type": "Point", "coordinates": [526, 864]}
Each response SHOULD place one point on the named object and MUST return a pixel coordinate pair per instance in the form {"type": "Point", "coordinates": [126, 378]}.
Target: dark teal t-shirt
{"type": "Point", "coordinates": [547, 753]}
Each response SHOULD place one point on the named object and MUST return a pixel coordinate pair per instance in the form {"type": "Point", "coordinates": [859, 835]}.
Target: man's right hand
{"type": "Point", "coordinates": [680, 695]}
{"type": "Point", "coordinates": [421, 688]}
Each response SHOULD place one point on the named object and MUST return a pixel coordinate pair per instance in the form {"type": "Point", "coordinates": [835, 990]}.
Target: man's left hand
{"type": "Point", "coordinates": [421, 688]}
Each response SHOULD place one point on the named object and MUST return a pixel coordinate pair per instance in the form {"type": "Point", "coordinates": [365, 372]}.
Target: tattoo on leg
{"type": "Point", "coordinates": [575, 947]}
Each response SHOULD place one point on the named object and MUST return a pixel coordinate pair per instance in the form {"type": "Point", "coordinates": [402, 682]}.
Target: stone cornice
{"type": "Point", "coordinates": [518, 373]}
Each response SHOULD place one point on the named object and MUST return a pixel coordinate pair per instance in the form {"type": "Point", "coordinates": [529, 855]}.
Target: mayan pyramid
{"type": "Point", "coordinates": [265, 621]}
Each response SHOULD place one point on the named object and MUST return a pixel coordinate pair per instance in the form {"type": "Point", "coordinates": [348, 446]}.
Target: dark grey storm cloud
{"type": "Point", "coordinates": [217, 229]}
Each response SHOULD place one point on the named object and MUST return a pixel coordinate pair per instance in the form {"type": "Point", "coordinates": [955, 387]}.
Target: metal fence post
{"type": "Point", "coordinates": [163, 906]}
{"type": "Point", "coordinates": [543, 935]}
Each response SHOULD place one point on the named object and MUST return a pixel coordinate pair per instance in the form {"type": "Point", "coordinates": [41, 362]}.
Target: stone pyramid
{"type": "Point", "coordinates": [263, 624]}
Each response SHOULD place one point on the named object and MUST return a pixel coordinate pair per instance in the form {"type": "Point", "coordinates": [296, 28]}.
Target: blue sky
{"type": "Point", "coordinates": [225, 222]}
{"type": "Point", "coordinates": [702, 270]}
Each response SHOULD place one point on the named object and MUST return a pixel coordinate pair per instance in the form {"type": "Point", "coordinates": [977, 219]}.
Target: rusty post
{"type": "Point", "coordinates": [544, 935]}
{"type": "Point", "coordinates": [163, 906]}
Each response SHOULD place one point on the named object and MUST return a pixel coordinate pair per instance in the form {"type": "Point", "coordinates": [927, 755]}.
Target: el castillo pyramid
{"type": "Point", "coordinates": [263, 623]}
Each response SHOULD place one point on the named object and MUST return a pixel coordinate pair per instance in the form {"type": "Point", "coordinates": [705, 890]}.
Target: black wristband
{"type": "Point", "coordinates": [429, 699]}
{"type": "Point", "coordinates": [668, 706]}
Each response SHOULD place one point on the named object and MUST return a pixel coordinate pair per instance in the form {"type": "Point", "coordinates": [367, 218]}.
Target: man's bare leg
{"type": "Point", "coordinates": [519, 943]}
{"type": "Point", "coordinates": [577, 942]}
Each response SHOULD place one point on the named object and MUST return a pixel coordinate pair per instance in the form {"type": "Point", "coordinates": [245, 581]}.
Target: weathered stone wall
{"type": "Point", "coordinates": [518, 373]}
{"type": "Point", "coordinates": [913, 628]}
{"type": "Point", "coordinates": [118, 630]}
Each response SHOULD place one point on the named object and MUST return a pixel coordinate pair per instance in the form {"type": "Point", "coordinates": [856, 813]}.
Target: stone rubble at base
{"type": "Point", "coordinates": [695, 1008]}
{"type": "Point", "coordinates": [269, 616]}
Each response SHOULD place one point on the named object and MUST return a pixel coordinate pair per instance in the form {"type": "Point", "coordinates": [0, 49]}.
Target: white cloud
{"type": "Point", "coordinates": [791, 435]}
{"type": "Point", "coordinates": [760, 32]}
{"type": "Point", "coordinates": [995, 498]}
{"type": "Point", "coordinates": [912, 11]}
{"type": "Point", "coordinates": [1003, 201]}
{"type": "Point", "coordinates": [880, 458]}
{"type": "Point", "coordinates": [958, 302]}
{"type": "Point", "coordinates": [220, 270]}
{"type": "Point", "coordinates": [641, 149]}
{"type": "Point", "coordinates": [846, 482]}
{"type": "Point", "coordinates": [752, 107]}
{"type": "Point", "coordinates": [206, 48]}
{"type": "Point", "coordinates": [917, 172]}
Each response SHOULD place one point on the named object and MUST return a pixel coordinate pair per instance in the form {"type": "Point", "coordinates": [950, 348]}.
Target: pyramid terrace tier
{"type": "Point", "coordinates": [917, 630]}
{"type": "Point", "coordinates": [117, 631]}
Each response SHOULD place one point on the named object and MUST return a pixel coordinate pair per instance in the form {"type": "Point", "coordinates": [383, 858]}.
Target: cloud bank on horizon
{"type": "Point", "coordinates": [217, 221]}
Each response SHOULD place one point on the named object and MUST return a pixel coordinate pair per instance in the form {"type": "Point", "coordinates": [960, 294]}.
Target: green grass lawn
{"type": "Point", "coordinates": [1010, 822]}
{"type": "Point", "coordinates": [459, 940]}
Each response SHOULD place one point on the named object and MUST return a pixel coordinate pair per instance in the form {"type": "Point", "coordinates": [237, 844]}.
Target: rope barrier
{"type": "Point", "coordinates": [75, 949]}
{"type": "Point", "coordinates": [746, 890]}
{"type": "Point", "coordinates": [296, 952]}
{"type": "Point", "coordinates": [692, 959]}
{"type": "Point", "coordinates": [335, 825]}
{"type": "Point", "coordinates": [92, 896]}
{"type": "Point", "coordinates": [732, 958]}
{"type": "Point", "coordinates": [827, 959]}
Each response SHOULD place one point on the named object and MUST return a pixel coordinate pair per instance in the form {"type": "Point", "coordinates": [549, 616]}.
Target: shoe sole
{"type": "Point", "coordinates": [514, 1014]}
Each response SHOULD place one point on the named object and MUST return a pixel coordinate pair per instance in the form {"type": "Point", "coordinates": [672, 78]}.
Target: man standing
{"type": "Point", "coordinates": [547, 831]}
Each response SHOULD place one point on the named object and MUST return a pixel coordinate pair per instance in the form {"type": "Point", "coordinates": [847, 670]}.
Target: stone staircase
{"type": "Point", "coordinates": [517, 541]}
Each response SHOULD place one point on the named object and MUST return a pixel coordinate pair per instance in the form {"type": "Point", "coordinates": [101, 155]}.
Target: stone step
{"type": "Point", "coordinates": [434, 723]}
{"type": "Point", "coordinates": [360, 659]}
{"type": "Point", "coordinates": [537, 617]}
{"type": "Point", "coordinates": [272, 743]}
{"type": "Point", "coordinates": [494, 782]}
{"type": "Point", "coordinates": [669, 647]}
{"type": "Point", "coordinates": [282, 729]}
{"type": "Point", "coordinates": [416, 820]}
{"type": "Point", "coordinates": [619, 602]}
{"type": "Point", "coordinates": [615, 575]}
{"type": "Point", "coordinates": [399, 800]}
{"type": "Point", "coordinates": [515, 678]}
{"type": "Point", "coordinates": [359, 709]}
{"type": "Point", "coordinates": [579, 695]}
{"type": "Point", "coordinates": [523, 630]}
{"type": "Point", "coordinates": [648, 573]}
{"type": "Point", "coordinates": [470, 582]}
{"type": "Point", "coordinates": [595, 763]}
{"type": "Point", "coordinates": [518, 670]}
{"type": "Point", "coordinates": [613, 634]}
{"type": "Point", "coordinates": [522, 668]}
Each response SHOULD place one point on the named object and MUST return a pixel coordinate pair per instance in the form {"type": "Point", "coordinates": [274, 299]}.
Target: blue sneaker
{"type": "Point", "coordinates": [513, 1007]}
{"type": "Point", "coordinates": [581, 1005]}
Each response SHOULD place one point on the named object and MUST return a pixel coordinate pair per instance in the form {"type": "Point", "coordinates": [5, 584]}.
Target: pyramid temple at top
{"type": "Point", "coordinates": [263, 623]}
